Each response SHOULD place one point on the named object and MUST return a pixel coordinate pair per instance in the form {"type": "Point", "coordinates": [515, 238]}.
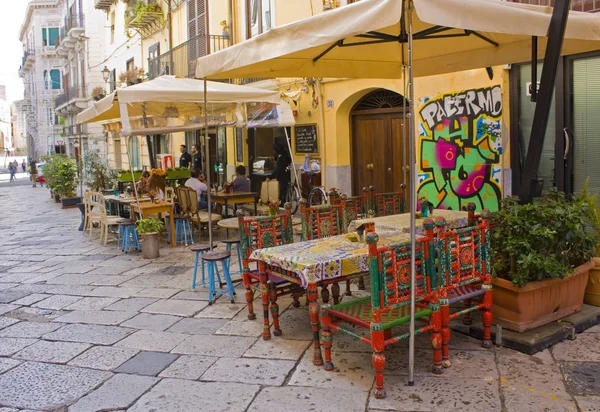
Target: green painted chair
{"type": "Point", "coordinates": [389, 303]}
{"type": "Point", "coordinates": [392, 203]}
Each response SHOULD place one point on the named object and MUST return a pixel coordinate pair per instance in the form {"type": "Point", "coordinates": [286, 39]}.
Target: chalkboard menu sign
{"type": "Point", "coordinates": [306, 138]}
{"type": "Point", "coordinates": [239, 145]}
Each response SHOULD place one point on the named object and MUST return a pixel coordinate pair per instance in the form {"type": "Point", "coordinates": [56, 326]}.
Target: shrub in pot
{"type": "Point", "coordinates": [592, 291]}
{"type": "Point", "coordinates": [65, 182]}
{"type": "Point", "coordinates": [541, 255]}
{"type": "Point", "coordinates": [150, 229]}
{"type": "Point", "coordinates": [98, 175]}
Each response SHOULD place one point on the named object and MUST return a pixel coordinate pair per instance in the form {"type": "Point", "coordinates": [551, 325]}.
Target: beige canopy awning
{"type": "Point", "coordinates": [484, 33]}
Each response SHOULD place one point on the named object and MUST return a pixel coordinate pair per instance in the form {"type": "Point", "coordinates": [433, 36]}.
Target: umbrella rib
{"type": "Point", "coordinates": [431, 30]}
{"type": "Point", "coordinates": [337, 43]}
{"type": "Point", "coordinates": [364, 43]}
{"type": "Point", "coordinates": [482, 37]}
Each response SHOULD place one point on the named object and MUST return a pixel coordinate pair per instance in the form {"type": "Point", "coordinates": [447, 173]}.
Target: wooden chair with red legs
{"type": "Point", "coordinates": [260, 232]}
{"type": "Point", "coordinates": [389, 303]}
{"type": "Point", "coordinates": [463, 272]}
{"type": "Point", "coordinates": [392, 203]}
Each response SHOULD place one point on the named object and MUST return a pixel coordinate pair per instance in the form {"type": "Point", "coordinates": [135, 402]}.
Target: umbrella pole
{"type": "Point", "coordinates": [413, 201]}
{"type": "Point", "coordinates": [289, 145]}
{"type": "Point", "coordinates": [207, 160]}
{"type": "Point", "coordinates": [404, 94]}
{"type": "Point", "coordinates": [137, 198]}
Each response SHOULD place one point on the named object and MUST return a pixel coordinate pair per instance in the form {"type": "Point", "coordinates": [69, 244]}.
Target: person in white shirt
{"type": "Point", "coordinates": [199, 187]}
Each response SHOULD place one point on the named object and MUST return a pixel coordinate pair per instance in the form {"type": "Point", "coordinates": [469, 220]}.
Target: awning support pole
{"type": "Point", "coordinates": [207, 160]}
{"type": "Point", "coordinates": [413, 201]}
{"type": "Point", "coordinates": [556, 34]}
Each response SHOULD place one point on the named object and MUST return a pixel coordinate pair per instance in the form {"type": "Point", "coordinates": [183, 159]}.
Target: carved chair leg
{"type": "Point", "coordinates": [325, 294]}
{"type": "Point", "coordinates": [467, 316]}
{"type": "Point", "coordinates": [274, 308]}
{"type": "Point", "coordinates": [313, 309]}
{"type": "Point", "coordinates": [264, 290]}
{"type": "Point", "coordinates": [335, 293]}
{"type": "Point", "coordinates": [326, 337]}
{"type": "Point", "coordinates": [348, 292]}
{"type": "Point", "coordinates": [361, 283]}
{"type": "Point", "coordinates": [249, 296]}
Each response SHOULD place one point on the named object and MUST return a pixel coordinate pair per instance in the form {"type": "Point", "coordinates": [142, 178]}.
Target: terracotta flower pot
{"type": "Point", "coordinates": [538, 303]}
{"type": "Point", "coordinates": [592, 291]}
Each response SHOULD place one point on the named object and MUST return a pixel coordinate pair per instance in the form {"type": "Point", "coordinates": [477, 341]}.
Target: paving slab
{"type": "Point", "coordinates": [91, 303]}
{"type": "Point", "coordinates": [7, 364]}
{"type": "Point", "coordinates": [29, 329]}
{"type": "Point", "coordinates": [149, 321]}
{"type": "Point", "coordinates": [161, 293]}
{"type": "Point", "coordinates": [114, 291]}
{"type": "Point", "coordinates": [5, 308]}
{"type": "Point", "coordinates": [55, 385]}
{"type": "Point", "coordinates": [9, 296]}
{"type": "Point", "coordinates": [176, 307]}
{"type": "Point", "coordinates": [432, 395]}
{"type": "Point", "coordinates": [10, 346]}
{"type": "Point", "coordinates": [99, 317]}
{"type": "Point", "coordinates": [212, 345]}
{"type": "Point", "coordinates": [197, 326]}
{"type": "Point", "coordinates": [131, 304]}
{"type": "Point", "coordinates": [176, 395]}
{"type": "Point", "coordinates": [104, 357]}
{"type": "Point", "coordinates": [6, 322]}
{"type": "Point", "coordinates": [73, 279]}
{"type": "Point", "coordinates": [278, 349]}
{"type": "Point", "coordinates": [96, 334]}
{"type": "Point", "coordinates": [56, 302]}
{"type": "Point", "coordinates": [582, 378]}
{"type": "Point", "coordinates": [119, 392]}
{"type": "Point", "coordinates": [188, 367]}
{"type": "Point", "coordinates": [352, 370]}
{"type": "Point", "coordinates": [198, 294]}
{"type": "Point", "coordinates": [74, 290]}
{"type": "Point", "coordinates": [147, 363]}
{"type": "Point", "coordinates": [54, 352]}
{"type": "Point", "coordinates": [223, 309]}
{"type": "Point", "coordinates": [588, 403]}
{"type": "Point", "coordinates": [296, 398]}
{"type": "Point", "coordinates": [152, 341]}
{"type": "Point", "coordinates": [244, 328]}
{"type": "Point", "coordinates": [294, 322]}
{"type": "Point", "coordinates": [586, 347]}
{"type": "Point", "coordinates": [31, 299]}
{"type": "Point", "coordinates": [246, 370]}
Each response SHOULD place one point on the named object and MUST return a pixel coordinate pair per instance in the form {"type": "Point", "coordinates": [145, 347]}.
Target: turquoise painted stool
{"type": "Point", "coordinates": [228, 244]}
{"type": "Point", "coordinates": [212, 258]}
{"type": "Point", "coordinates": [200, 249]}
{"type": "Point", "coordinates": [128, 238]}
{"type": "Point", "coordinates": [183, 230]}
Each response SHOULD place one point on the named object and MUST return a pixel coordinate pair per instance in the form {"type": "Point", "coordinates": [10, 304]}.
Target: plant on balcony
{"type": "Point", "coordinates": [137, 10]}
{"type": "Point", "coordinates": [99, 177]}
{"type": "Point", "coordinates": [98, 93]}
{"type": "Point", "coordinates": [131, 76]}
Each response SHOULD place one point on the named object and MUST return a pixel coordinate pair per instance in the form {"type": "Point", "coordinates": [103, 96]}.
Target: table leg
{"type": "Point", "coordinates": [255, 206]}
{"type": "Point", "coordinates": [313, 308]}
{"type": "Point", "coordinates": [226, 210]}
{"type": "Point", "coordinates": [172, 224]}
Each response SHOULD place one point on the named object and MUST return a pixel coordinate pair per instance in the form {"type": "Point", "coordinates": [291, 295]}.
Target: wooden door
{"type": "Point", "coordinates": [400, 156]}
{"type": "Point", "coordinates": [377, 152]}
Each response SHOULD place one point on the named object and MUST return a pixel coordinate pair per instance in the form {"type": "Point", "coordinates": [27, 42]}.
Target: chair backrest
{"type": "Point", "coordinates": [190, 201]}
{"type": "Point", "coordinates": [182, 200]}
{"type": "Point", "coordinates": [269, 190]}
{"type": "Point", "coordinates": [169, 194]}
{"type": "Point", "coordinates": [257, 232]}
{"type": "Point", "coordinates": [353, 208]}
{"type": "Point", "coordinates": [320, 221]}
{"type": "Point", "coordinates": [390, 272]}
{"type": "Point", "coordinates": [392, 203]}
{"type": "Point", "coordinates": [463, 254]}
{"type": "Point", "coordinates": [98, 204]}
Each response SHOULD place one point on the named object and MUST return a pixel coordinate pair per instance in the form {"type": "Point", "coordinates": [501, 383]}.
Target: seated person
{"type": "Point", "coordinates": [241, 183]}
{"type": "Point", "coordinates": [142, 186]}
{"type": "Point", "coordinates": [200, 187]}
{"type": "Point", "coordinates": [156, 187]}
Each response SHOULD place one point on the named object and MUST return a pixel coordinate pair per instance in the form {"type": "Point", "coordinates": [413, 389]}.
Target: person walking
{"type": "Point", "coordinates": [13, 171]}
{"type": "Point", "coordinates": [33, 172]}
{"type": "Point", "coordinates": [24, 166]}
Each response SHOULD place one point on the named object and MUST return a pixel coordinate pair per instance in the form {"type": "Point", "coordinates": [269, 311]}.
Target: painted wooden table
{"type": "Point", "coordinates": [157, 207]}
{"type": "Point", "coordinates": [401, 222]}
{"type": "Point", "coordinates": [232, 222]}
{"type": "Point", "coordinates": [225, 199]}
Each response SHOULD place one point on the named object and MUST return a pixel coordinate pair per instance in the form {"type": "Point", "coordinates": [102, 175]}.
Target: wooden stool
{"type": "Point", "coordinates": [200, 249]}
{"type": "Point", "coordinates": [211, 258]}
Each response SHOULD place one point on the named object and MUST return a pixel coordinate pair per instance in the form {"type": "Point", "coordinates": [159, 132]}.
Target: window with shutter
{"type": "Point", "coordinates": [53, 36]}
{"type": "Point", "coordinates": [44, 37]}
{"type": "Point", "coordinates": [197, 32]}
{"type": "Point", "coordinates": [55, 79]}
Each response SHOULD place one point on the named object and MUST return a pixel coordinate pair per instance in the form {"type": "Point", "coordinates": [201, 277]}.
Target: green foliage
{"type": "Point", "coordinates": [98, 174]}
{"type": "Point", "coordinates": [51, 168]}
{"type": "Point", "coordinates": [542, 240]}
{"type": "Point", "coordinates": [149, 225]}
{"type": "Point", "coordinates": [64, 180]}
{"type": "Point", "coordinates": [136, 10]}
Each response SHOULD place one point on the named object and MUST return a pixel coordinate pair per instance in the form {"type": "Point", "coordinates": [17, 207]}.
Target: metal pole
{"type": "Point", "coordinates": [137, 198]}
{"type": "Point", "coordinates": [289, 145]}
{"type": "Point", "coordinates": [404, 93]}
{"type": "Point", "coordinates": [207, 162]}
{"type": "Point", "coordinates": [82, 163]}
{"type": "Point", "coordinates": [413, 201]}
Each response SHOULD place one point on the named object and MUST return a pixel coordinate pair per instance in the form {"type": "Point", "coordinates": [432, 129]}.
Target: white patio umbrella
{"type": "Point", "coordinates": [366, 40]}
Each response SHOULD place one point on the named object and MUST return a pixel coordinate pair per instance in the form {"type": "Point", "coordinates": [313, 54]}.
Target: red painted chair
{"type": "Point", "coordinates": [392, 203]}
{"type": "Point", "coordinates": [259, 232]}
{"type": "Point", "coordinates": [463, 272]}
{"type": "Point", "coordinates": [389, 303]}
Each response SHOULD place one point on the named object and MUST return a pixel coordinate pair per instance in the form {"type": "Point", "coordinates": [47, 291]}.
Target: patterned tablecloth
{"type": "Point", "coordinates": [401, 222]}
{"type": "Point", "coordinates": [327, 258]}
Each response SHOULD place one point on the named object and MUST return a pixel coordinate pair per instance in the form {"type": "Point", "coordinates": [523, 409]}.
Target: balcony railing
{"type": "Point", "coordinates": [181, 61]}
{"type": "Point", "coordinates": [75, 130]}
{"type": "Point", "coordinates": [73, 21]}
{"type": "Point", "coordinates": [27, 54]}
{"type": "Point", "coordinates": [72, 93]}
{"type": "Point", "coordinates": [103, 4]}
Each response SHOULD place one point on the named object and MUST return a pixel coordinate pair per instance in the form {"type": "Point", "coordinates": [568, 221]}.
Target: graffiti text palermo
{"type": "Point", "coordinates": [470, 103]}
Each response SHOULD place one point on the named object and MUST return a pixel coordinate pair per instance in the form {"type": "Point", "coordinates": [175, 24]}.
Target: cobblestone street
{"type": "Point", "coordinates": [85, 327]}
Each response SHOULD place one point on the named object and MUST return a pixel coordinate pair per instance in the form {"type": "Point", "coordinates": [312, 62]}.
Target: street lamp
{"type": "Point", "coordinates": [105, 74]}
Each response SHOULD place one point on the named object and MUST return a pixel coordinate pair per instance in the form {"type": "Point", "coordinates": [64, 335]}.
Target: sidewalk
{"type": "Point", "coordinates": [85, 327]}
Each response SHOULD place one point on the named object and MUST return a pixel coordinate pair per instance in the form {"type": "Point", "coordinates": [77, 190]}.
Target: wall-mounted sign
{"type": "Point", "coordinates": [306, 138]}
{"type": "Point", "coordinates": [530, 88]}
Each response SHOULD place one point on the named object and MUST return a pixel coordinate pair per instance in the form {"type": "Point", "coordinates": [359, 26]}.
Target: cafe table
{"type": "Point", "coordinates": [322, 261]}
{"type": "Point", "coordinates": [148, 208]}
{"type": "Point", "coordinates": [224, 198]}
{"type": "Point", "coordinates": [121, 201]}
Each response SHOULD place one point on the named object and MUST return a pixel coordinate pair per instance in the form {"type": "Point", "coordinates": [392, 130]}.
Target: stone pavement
{"type": "Point", "coordinates": [87, 328]}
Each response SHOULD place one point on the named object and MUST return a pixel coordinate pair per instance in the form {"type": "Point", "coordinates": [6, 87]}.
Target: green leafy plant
{"type": "Point", "coordinates": [149, 225]}
{"type": "Point", "coordinates": [64, 181]}
{"type": "Point", "coordinates": [542, 240]}
{"type": "Point", "coordinates": [98, 173]}
{"type": "Point", "coordinates": [51, 168]}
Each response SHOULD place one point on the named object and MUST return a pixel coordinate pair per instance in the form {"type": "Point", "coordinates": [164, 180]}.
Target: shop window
{"type": "Point", "coordinates": [258, 17]}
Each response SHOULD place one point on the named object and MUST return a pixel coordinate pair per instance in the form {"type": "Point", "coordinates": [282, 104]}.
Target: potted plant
{"type": "Point", "coordinates": [98, 93]}
{"type": "Point", "coordinates": [50, 171]}
{"type": "Point", "coordinates": [131, 76]}
{"type": "Point", "coordinates": [592, 290]}
{"type": "Point", "coordinates": [99, 177]}
{"type": "Point", "coordinates": [149, 229]}
{"type": "Point", "coordinates": [64, 182]}
{"type": "Point", "coordinates": [541, 255]}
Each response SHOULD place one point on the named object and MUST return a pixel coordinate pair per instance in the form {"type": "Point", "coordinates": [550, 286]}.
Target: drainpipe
{"type": "Point", "coordinates": [170, 23]}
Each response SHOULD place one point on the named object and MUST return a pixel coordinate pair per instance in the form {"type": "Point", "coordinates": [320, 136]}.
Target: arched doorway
{"type": "Point", "coordinates": [378, 155]}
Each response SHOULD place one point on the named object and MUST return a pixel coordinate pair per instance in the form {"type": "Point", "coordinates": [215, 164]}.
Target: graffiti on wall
{"type": "Point", "coordinates": [460, 146]}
